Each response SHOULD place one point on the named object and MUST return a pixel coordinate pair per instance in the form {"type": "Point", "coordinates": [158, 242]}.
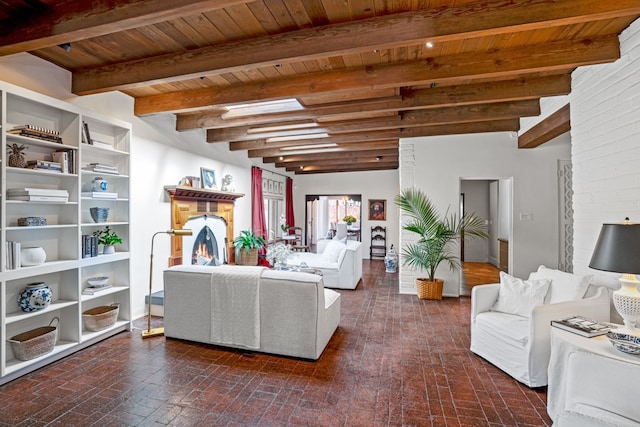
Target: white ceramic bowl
{"type": "Point", "coordinates": [98, 281]}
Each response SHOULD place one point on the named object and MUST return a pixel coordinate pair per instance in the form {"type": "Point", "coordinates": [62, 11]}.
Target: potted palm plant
{"type": "Point", "coordinates": [247, 245]}
{"type": "Point", "coordinates": [435, 237]}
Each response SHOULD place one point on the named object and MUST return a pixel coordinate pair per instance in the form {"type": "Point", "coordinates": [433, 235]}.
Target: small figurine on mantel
{"type": "Point", "coordinates": [226, 183]}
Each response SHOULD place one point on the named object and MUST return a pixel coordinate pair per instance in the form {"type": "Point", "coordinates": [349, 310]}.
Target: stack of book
{"type": "Point", "coordinates": [67, 160]}
{"type": "Point", "coordinates": [582, 326]}
{"type": "Point", "coordinates": [94, 289]}
{"type": "Point", "coordinates": [89, 246]}
{"type": "Point", "coordinates": [12, 251]}
{"type": "Point", "coordinates": [102, 168]}
{"type": "Point", "coordinates": [44, 165]}
{"type": "Point", "coordinates": [38, 195]}
{"type": "Point", "coordinates": [31, 131]}
{"type": "Point", "coordinates": [99, 195]}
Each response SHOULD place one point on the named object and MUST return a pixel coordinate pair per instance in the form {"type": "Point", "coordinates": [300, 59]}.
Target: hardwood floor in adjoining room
{"type": "Point", "coordinates": [478, 273]}
{"type": "Point", "coordinates": [395, 360]}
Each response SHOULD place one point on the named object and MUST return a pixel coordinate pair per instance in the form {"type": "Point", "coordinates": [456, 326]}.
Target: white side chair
{"type": "Point", "coordinates": [519, 345]}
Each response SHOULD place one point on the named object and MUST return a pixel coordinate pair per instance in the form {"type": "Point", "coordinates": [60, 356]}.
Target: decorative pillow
{"type": "Point", "coordinates": [343, 240]}
{"type": "Point", "coordinates": [333, 250]}
{"type": "Point", "coordinates": [564, 286]}
{"type": "Point", "coordinates": [517, 296]}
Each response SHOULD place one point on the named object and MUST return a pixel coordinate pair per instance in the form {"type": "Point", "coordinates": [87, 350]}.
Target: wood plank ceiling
{"type": "Point", "coordinates": [365, 72]}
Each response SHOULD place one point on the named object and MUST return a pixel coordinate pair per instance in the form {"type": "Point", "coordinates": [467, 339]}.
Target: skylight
{"type": "Point", "coordinates": [264, 107]}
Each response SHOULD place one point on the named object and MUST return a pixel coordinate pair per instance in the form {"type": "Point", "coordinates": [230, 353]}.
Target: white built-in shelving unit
{"type": "Point", "coordinates": [65, 270]}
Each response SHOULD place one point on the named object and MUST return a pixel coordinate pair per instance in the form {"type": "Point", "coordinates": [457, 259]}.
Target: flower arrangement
{"type": "Point", "coordinates": [278, 253]}
{"type": "Point", "coordinates": [349, 219]}
{"type": "Point", "coordinates": [284, 227]}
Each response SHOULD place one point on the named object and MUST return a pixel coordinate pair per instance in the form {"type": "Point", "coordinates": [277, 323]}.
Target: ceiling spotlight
{"type": "Point", "coordinates": [429, 44]}
{"type": "Point", "coordinates": [301, 167]}
{"type": "Point", "coordinates": [65, 46]}
{"type": "Point", "coordinates": [281, 158]}
{"type": "Point", "coordinates": [378, 157]}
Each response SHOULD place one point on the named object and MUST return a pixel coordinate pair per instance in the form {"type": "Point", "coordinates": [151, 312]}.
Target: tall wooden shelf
{"type": "Point", "coordinates": [65, 271]}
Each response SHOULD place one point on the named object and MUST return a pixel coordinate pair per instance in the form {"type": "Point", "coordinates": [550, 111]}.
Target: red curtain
{"type": "Point", "coordinates": [289, 204]}
{"type": "Point", "coordinates": [258, 221]}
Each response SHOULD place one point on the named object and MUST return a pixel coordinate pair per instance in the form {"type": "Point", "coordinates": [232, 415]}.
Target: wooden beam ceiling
{"type": "Point", "coordinates": [554, 125]}
{"type": "Point", "coordinates": [361, 72]}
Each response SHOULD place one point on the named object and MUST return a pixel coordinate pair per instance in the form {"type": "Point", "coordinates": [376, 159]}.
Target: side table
{"type": "Point", "coordinates": [591, 370]}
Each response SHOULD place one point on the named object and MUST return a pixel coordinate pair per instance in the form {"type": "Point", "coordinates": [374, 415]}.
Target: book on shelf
{"type": "Point", "coordinates": [27, 198]}
{"type": "Point", "coordinates": [86, 136]}
{"type": "Point", "coordinates": [66, 158]}
{"type": "Point", "coordinates": [32, 191]}
{"type": "Point", "coordinates": [582, 326]}
{"type": "Point", "coordinates": [89, 246]}
{"type": "Point", "coordinates": [92, 290]}
{"type": "Point", "coordinates": [44, 164]}
{"type": "Point", "coordinates": [100, 168]}
{"type": "Point", "coordinates": [102, 144]}
{"type": "Point", "coordinates": [36, 132]}
{"type": "Point", "coordinates": [100, 195]}
{"type": "Point", "coordinates": [12, 250]}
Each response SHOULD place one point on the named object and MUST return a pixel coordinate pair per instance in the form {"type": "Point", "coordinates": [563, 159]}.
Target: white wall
{"type": "Point", "coordinates": [437, 164]}
{"type": "Point", "coordinates": [605, 132]}
{"type": "Point", "coordinates": [372, 185]}
{"type": "Point", "coordinates": [476, 201]}
{"type": "Point", "coordinates": [159, 156]}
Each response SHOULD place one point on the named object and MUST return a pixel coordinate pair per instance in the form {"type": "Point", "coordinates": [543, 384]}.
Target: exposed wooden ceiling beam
{"type": "Point", "coordinates": [508, 125]}
{"type": "Point", "coordinates": [344, 168]}
{"type": "Point", "coordinates": [341, 148]}
{"type": "Point", "coordinates": [562, 55]}
{"type": "Point", "coordinates": [38, 25]}
{"type": "Point", "coordinates": [440, 24]}
{"type": "Point", "coordinates": [554, 125]}
{"type": "Point", "coordinates": [329, 156]}
{"type": "Point", "coordinates": [355, 137]}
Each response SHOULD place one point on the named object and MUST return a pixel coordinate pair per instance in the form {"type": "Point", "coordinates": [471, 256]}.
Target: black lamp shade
{"type": "Point", "coordinates": [618, 249]}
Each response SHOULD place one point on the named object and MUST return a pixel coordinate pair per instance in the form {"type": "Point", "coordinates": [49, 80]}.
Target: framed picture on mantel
{"type": "Point", "coordinates": [208, 178]}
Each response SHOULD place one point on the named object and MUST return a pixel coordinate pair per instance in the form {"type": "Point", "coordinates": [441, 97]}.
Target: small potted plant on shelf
{"type": "Point", "coordinates": [247, 245]}
{"type": "Point", "coordinates": [435, 234]}
{"type": "Point", "coordinates": [108, 239]}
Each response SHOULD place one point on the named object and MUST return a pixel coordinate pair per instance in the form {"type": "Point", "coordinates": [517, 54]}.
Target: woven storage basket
{"type": "Point", "coordinates": [99, 318]}
{"type": "Point", "coordinates": [34, 343]}
{"type": "Point", "coordinates": [429, 290]}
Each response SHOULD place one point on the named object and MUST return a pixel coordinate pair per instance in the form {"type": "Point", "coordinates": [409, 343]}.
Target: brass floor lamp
{"type": "Point", "coordinates": [148, 333]}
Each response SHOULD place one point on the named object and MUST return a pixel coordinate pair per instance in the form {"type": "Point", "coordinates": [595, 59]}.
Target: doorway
{"type": "Point", "coordinates": [324, 211]}
{"type": "Point", "coordinates": [490, 200]}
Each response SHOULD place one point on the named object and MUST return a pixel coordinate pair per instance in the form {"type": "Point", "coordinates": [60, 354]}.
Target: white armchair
{"type": "Point", "coordinates": [518, 345]}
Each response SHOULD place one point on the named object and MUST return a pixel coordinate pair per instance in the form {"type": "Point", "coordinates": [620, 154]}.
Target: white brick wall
{"type": "Point", "coordinates": [605, 134]}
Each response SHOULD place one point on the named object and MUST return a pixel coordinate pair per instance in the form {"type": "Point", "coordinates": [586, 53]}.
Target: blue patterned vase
{"type": "Point", "coordinates": [391, 261]}
{"type": "Point", "coordinates": [35, 297]}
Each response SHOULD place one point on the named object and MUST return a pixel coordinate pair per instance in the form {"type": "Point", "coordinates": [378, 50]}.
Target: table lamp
{"type": "Point", "coordinates": [148, 333]}
{"type": "Point", "coordinates": [618, 250]}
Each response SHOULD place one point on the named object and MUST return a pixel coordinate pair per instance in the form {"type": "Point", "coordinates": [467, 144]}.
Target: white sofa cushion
{"type": "Point", "coordinates": [333, 250]}
{"type": "Point", "coordinates": [514, 329]}
{"type": "Point", "coordinates": [517, 296]}
{"type": "Point", "coordinates": [564, 286]}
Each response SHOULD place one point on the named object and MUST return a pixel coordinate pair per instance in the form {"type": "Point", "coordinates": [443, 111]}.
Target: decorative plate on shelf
{"type": "Point", "coordinates": [624, 342]}
{"type": "Point", "coordinates": [98, 281]}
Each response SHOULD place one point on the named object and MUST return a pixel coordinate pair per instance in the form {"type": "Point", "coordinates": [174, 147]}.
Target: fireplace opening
{"type": "Point", "coordinates": [208, 244]}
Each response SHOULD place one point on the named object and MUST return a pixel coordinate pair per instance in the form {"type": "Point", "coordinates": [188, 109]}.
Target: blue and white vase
{"type": "Point", "coordinates": [35, 297]}
{"type": "Point", "coordinates": [391, 261]}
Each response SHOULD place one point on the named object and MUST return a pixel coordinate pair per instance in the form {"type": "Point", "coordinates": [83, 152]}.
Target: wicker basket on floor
{"type": "Point", "coordinates": [34, 343]}
{"type": "Point", "coordinates": [99, 318]}
{"type": "Point", "coordinates": [429, 290]}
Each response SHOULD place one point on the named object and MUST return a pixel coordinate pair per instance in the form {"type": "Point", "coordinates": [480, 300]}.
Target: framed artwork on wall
{"type": "Point", "coordinates": [208, 178]}
{"type": "Point", "coordinates": [264, 185]}
{"type": "Point", "coordinates": [377, 209]}
{"type": "Point", "coordinates": [270, 186]}
{"type": "Point", "coordinates": [281, 188]}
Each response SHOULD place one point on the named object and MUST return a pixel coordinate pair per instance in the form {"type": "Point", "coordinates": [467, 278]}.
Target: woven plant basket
{"type": "Point", "coordinates": [34, 343]}
{"type": "Point", "coordinates": [429, 290]}
{"type": "Point", "coordinates": [99, 318]}
{"type": "Point", "coordinates": [244, 258]}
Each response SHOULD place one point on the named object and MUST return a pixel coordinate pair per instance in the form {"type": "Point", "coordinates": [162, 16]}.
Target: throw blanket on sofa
{"type": "Point", "coordinates": [235, 303]}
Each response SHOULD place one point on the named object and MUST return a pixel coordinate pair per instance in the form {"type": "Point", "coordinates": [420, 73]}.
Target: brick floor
{"type": "Point", "coordinates": [394, 361]}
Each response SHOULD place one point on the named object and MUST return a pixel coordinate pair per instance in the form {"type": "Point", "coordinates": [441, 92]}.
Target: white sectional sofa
{"type": "Point", "coordinates": [340, 262]}
{"type": "Point", "coordinates": [254, 308]}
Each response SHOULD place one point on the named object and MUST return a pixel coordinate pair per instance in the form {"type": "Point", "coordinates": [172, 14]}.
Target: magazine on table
{"type": "Point", "coordinates": [582, 326]}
